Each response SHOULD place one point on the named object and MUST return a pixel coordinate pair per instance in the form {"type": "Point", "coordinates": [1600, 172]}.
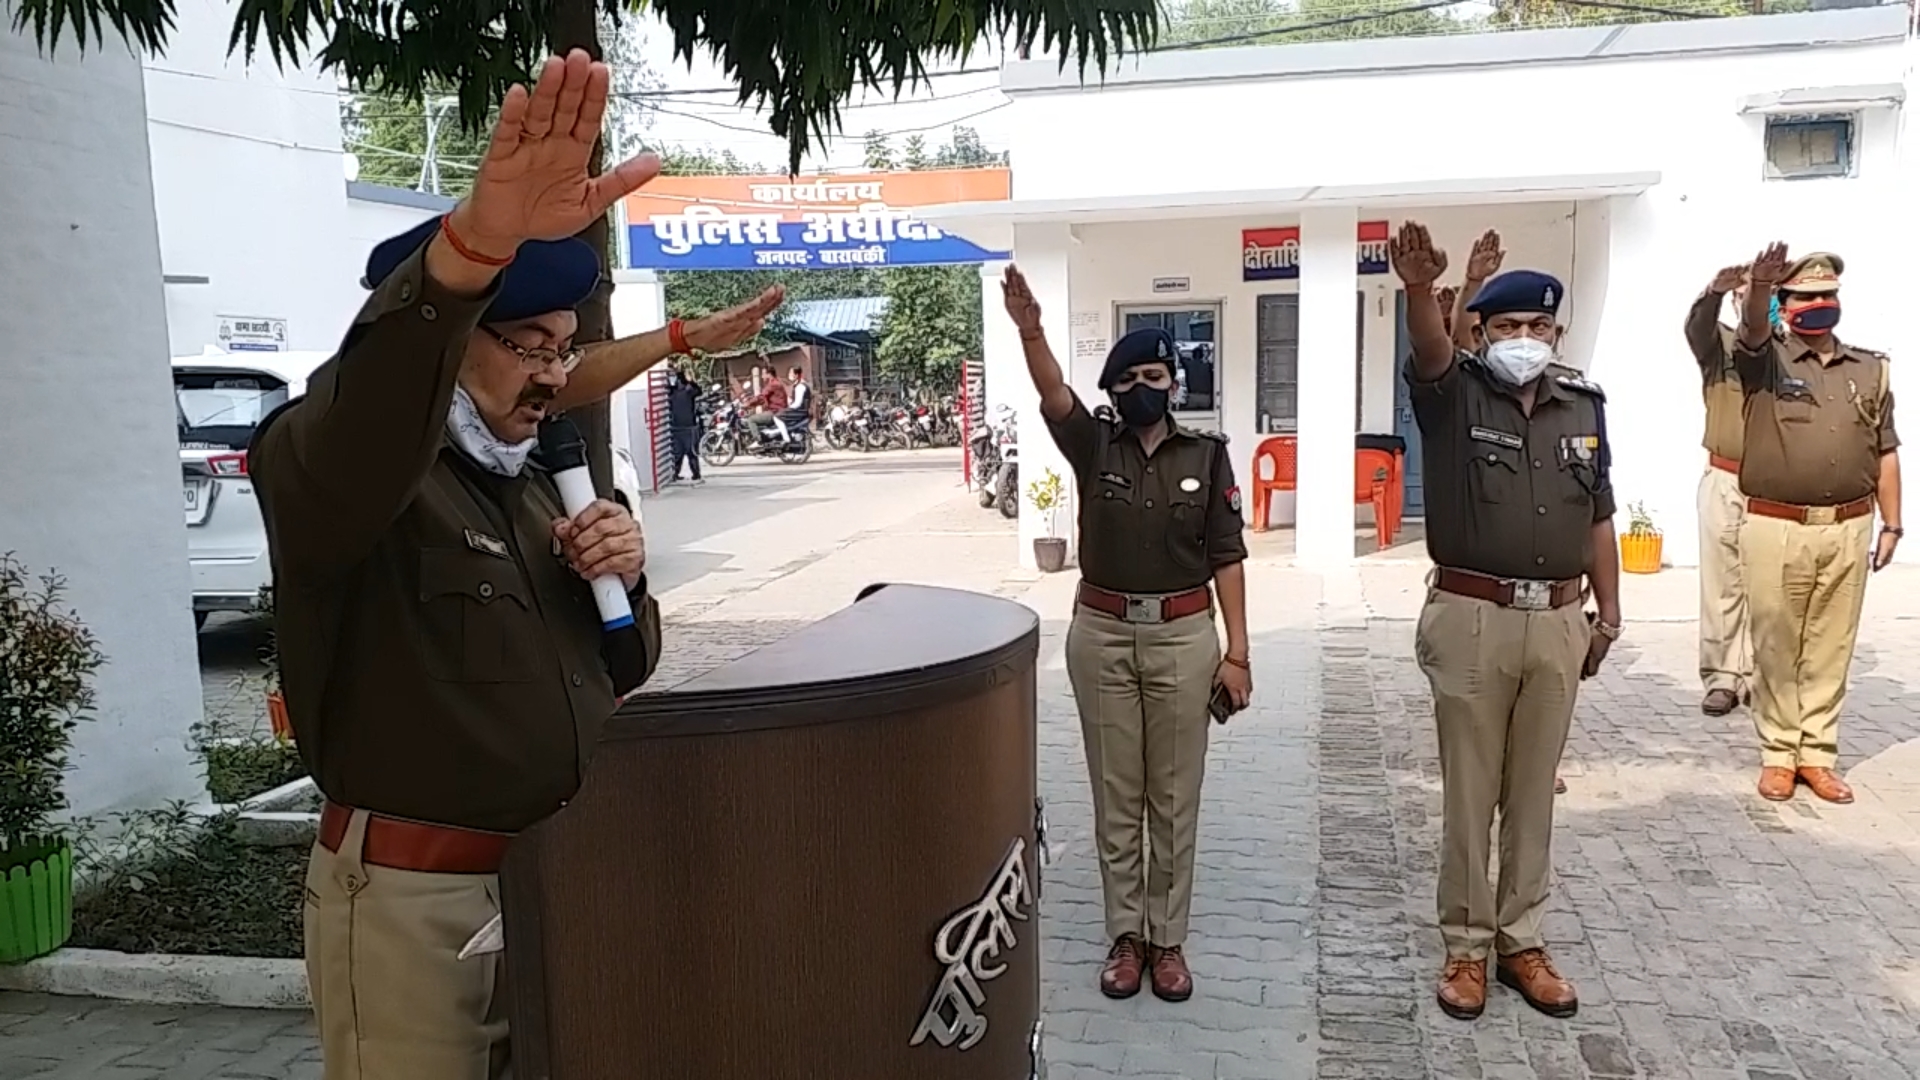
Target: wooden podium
{"type": "Point", "coordinates": [820, 862]}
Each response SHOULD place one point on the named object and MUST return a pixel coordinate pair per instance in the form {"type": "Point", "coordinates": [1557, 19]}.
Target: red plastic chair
{"type": "Point", "coordinates": [1280, 456]}
{"type": "Point", "coordinates": [1376, 480]}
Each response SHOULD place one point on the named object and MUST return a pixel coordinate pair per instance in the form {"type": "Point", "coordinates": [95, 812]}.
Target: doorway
{"type": "Point", "coordinates": [1195, 329]}
{"type": "Point", "coordinates": [1413, 492]}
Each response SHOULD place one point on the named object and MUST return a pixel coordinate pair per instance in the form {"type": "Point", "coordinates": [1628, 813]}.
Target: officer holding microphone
{"type": "Point", "coordinates": [445, 596]}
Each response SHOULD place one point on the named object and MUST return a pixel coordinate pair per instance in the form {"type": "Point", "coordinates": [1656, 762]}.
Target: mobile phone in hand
{"type": "Point", "coordinates": [1220, 706]}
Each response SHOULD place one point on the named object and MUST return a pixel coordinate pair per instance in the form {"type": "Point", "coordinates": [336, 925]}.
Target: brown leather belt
{"type": "Point", "coordinates": [1510, 592]}
{"type": "Point", "coordinates": [1724, 464]}
{"type": "Point", "coordinates": [415, 845]}
{"type": "Point", "coordinates": [1812, 515]}
{"type": "Point", "coordinates": [1146, 609]}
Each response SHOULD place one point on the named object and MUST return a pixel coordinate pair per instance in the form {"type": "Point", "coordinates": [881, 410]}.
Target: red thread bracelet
{"type": "Point", "coordinates": [465, 252]}
{"type": "Point", "coordinates": [677, 337]}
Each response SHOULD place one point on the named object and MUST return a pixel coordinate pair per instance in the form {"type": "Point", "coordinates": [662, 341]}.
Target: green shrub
{"type": "Point", "coordinates": [47, 661]}
{"type": "Point", "coordinates": [176, 885]}
{"type": "Point", "coordinates": [237, 771]}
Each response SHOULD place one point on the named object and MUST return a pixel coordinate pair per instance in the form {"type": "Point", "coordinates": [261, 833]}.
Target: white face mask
{"type": "Point", "coordinates": [467, 430]}
{"type": "Point", "coordinates": [1519, 361]}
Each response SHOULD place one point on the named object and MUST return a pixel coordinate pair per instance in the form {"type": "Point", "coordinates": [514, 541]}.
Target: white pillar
{"type": "Point", "coordinates": [1329, 280]}
{"type": "Point", "coordinates": [1044, 254]}
{"type": "Point", "coordinates": [639, 304]}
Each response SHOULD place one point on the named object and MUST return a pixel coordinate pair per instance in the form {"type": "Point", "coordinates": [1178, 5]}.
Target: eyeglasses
{"type": "Point", "coordinates": [533, 361]}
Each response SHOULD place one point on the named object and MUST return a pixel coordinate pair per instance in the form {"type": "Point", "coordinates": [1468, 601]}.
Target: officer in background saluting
{"type": "Point", "coordinates": [1726, 660]}
{"type": "Point", "coordinates": [1525, 509]}
{"type": "Point", "coordinates": [1159, 521]}
{"type": "Point", "coordinates": [1820, 447]}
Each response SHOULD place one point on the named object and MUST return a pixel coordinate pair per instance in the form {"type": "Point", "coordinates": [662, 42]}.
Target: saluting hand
{"type": "Point", "coordinates": [603, 539]}
{"type": "Point", "coordinates": [1484, 260]}
{"type": "Point", "coordinates": [737, 324]}
{"type": "Point", "coordinates": [533, 182]}
{"type": "Point", "coordinates": [1021, 304]}
{"type": "Point", "coordinates": [1770, 266]}
{"type": "Point", "coordinates": [1728, 279]}
{"type": "Point", "coordinates": [1414, 257]}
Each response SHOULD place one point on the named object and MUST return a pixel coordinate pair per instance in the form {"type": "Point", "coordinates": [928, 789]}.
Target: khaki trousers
{"type": "Point", "coordinates": [1805, 585]}
{"type": "Point", "coordinates": [1726, 657]}
{"type": "Point", "coordinates": [1142, 689]}
{"type": "Point", "coordinates": [1504, 683]}
{"type": "Point", "coordinates": [391, 999]}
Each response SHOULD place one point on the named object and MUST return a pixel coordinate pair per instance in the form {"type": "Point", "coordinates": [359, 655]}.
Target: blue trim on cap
{"type": "Point", "coordinates": [545, 275]}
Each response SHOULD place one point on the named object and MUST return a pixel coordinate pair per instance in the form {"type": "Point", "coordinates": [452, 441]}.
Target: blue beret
{"type": "Point", "coordinates": [1145, 346]}
{"type": "Point", "coordinates": [545, 275]}
{"type": "Point", "coordinates": [1519, 290]}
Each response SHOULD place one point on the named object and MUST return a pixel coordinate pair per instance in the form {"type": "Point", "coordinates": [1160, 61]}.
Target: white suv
{"type": "Point", "coordinates": [220, 398]}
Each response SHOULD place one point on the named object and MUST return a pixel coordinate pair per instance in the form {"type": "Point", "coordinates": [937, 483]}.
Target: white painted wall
{"type": "Point", "coordinates": [249, 183]}
{"type": "Point", "coordinates": [1633, 265]}
{"type": "Point", "coordinates": [89, 463]}
{"type": "Point", "coordinates": [368, 223]}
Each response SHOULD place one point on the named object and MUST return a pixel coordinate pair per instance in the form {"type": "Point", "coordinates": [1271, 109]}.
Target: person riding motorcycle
{"type": "Point", "coordinates": [773, 399]}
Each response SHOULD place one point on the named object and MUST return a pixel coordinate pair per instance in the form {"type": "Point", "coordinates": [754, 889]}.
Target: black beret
{"type": "Point", "coordinates": [1150, 345]}
{"type": "Point", "coordinates": [1519, 290]}
{"type": "Point", "coordinates": [545, 275]}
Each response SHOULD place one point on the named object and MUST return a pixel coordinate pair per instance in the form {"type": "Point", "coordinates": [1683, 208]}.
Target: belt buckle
{"type": "Point", "coordinates": [1145, 610]}
{"type": "Point", "coordinates": [1532, 595]}
{"type": "Point", "coordinates": [1820, 515]}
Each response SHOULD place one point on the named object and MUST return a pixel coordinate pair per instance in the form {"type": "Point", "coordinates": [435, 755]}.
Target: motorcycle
{"type": "Point", "coordinates": [998, 483]}
{"type": "Point", "coordinates": [730, 436]}
{"type": "Point", "coordinates": [839, 429]}
{"type": "Point", "coordinates": [984, 448]}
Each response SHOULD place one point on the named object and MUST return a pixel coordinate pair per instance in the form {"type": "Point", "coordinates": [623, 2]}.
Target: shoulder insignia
{"type": "Point", "coordinates": [1582, 384]}
{"type": "Point", "coordinates": [1217, 436]}
{"type": "Point", "coordinates": [1105, 414]}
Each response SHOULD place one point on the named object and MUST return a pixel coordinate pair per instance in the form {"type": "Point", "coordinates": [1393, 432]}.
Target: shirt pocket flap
{"type": "Point", "coordinates": [477, 576]}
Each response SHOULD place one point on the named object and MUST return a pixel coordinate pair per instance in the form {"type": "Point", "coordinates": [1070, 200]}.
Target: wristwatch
{"type": "Point", "coordinates": [1611, 633]}
{"type": "Point", "coordinates": [1897, 532]}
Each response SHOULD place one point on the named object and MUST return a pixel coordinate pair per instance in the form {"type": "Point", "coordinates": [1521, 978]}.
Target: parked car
{"type": "Point", "coordinates": [626, 482]}
{"type": "Point", "coordinates": [219, 398]}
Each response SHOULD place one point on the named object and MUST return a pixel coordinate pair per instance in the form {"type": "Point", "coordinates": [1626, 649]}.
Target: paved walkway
{"type": "Point", "coordinates": [1713, 936]}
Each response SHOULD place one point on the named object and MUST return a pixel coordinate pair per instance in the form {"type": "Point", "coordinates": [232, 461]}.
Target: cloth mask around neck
{"type": "Point", "coordinates": [468, 431]}
{"type": "Point", "coordinates": [1518, 361]}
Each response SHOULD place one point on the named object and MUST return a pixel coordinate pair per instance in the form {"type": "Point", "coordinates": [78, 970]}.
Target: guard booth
{"type": "Point", "coordinates": [820, 862]}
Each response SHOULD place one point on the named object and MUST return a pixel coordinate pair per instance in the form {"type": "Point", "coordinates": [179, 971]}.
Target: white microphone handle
{"type": "Point", "coordinates": [609, 592]}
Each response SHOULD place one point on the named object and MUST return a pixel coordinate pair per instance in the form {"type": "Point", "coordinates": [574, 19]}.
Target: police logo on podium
{"type": "Point", "coordinates": [968, 945]}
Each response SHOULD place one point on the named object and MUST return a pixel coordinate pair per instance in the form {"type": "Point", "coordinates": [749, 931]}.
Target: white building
{"type": "Point", "coordinates": [1632, 162]}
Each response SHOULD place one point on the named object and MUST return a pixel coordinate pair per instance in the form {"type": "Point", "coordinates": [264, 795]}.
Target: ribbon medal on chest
{"type": "Point", "coordinates": [1579, 449]}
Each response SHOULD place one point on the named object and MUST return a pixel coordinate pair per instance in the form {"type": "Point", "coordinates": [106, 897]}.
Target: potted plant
{"type": "Point", "coordinates": [47, 661]}
{"type": "Point", "coordinates": [1046, 495]}
{"type": "Point", "coordinates": [270, 657]}
{"type": "Point", "coordinates": [1640, 547]}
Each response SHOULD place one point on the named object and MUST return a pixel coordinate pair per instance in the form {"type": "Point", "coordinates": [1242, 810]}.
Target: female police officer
{"type": "Point", "coordinates": [1159, 521]}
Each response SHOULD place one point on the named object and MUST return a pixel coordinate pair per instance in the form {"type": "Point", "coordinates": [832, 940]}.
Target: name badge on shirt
{"type": "Point", "coordinates": [1498, 438]}
{"type": "Point", "coordinates": [1115, 479]}
{"type": "Point", "coordinates": [1795, 388]}
{"type": "Point", "coordinates": [488, 545]}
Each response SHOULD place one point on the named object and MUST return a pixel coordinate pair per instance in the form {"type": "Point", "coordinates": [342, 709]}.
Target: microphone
{"type": "Point", "coordinates": [565, 452]}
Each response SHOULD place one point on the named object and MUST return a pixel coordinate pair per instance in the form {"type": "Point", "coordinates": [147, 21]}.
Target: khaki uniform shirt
{"type": "Point", "coordinates": [1159, 524]}
{"type": "Point", "coordinates": [1815, 431]}
{"type": "Point", "coordinates": [440, 660]}
{"type": "Point", "coordinates": [1712, 345]}
{"type": "Point", "coordinates": [1508, 494]}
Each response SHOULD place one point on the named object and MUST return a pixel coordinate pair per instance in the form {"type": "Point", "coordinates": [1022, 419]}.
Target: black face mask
{"type": "Point", "coordinates": [1142, 405]}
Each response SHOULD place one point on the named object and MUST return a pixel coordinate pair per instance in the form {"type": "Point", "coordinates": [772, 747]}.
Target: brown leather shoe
{"type": "Point", "coordinates": [1719, 702]}
{"type": "Point", "coordinates": [1826, 783]}
{"type": "Point", "coordinates": [1531, 975]}
{"type": "Point", "coordinates": [1463, 988]}
{"type": "Point", "coordinates": [1171, 979]}
{"type": "Point", "coordinates": [1125, 961]}
{"type": "Point", "coordinates": [1776, 783]}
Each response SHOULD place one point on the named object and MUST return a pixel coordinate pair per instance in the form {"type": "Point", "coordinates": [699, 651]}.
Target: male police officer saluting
{"type": "Point", "coordinates": [1820, 450]}
{"type": "Point", "coordinates": [1159, 520]}
{"type": "Point", "coordinates": [1524, 511]}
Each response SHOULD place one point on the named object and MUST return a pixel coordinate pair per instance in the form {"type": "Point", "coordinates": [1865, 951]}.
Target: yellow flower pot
{"type": "Point", "coordinates": [1640, 553]}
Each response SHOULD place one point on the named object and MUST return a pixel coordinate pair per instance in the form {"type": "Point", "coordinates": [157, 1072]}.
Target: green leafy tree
{"type": "Point", "coordinates": [796, 64]}
{"type": "Point", "coordinates": [1275, 22]}
{"type": "Point", "coordinates": [878, 151]}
